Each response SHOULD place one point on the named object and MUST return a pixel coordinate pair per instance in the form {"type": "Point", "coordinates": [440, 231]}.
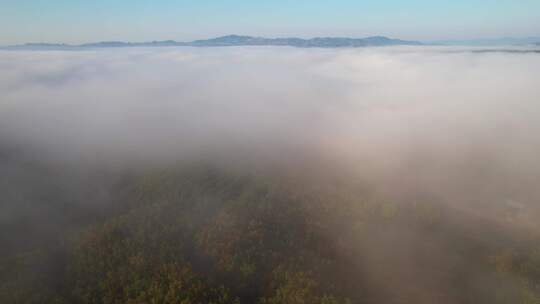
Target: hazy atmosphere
{"type": "Point", "coordinates": [269, 152]}
{"type": "Point", "coordinates": [371, 132]}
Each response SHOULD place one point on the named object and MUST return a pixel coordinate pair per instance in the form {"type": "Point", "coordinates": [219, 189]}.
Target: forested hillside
{"type": "Point", "coordinates": [205, 234]}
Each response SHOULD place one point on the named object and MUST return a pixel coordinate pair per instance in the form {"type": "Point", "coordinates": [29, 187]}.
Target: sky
{"type": "Point", "coordinates": [71, 21]}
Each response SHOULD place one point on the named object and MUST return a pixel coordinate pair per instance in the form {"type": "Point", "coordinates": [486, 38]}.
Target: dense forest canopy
{"type": "Point", "coordinates": [201, 233]}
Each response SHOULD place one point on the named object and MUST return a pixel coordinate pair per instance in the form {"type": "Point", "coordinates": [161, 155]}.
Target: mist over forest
{"type": "Point", "coordinates": [270, 175]}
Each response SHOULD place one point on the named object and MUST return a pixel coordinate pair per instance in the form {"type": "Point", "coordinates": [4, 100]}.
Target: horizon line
{"type": "Point", "coordinates": [535, 40]}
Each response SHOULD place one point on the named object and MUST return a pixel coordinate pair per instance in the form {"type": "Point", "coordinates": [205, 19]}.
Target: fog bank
{"type": "Point", "coordinates": [458, 125]}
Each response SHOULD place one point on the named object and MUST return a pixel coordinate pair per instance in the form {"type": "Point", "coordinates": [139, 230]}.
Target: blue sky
{"type": "Point", "coordinates": [75, 21]}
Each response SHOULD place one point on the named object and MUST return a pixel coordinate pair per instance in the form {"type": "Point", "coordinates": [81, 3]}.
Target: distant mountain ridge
{"type": "Point", "coordinates": [490, 42]}
{"type": "Point", "coordinates": [235, 40]}
{"type": "Point", "coordinates": [331, 42]}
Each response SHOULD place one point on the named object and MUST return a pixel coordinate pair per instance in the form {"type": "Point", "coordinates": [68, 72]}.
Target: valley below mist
{"type": "Point", "coordinates": [404, 174]}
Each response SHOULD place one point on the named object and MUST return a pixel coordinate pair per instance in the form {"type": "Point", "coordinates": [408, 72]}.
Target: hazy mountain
{"type": "Point", "coordinates": [236, 40]}
{"type": "Point", "coordinates": [492, 42]}
{"type": "Point", "coordinates": [105, 44]}
{"type": "Point", "coordinates": [318, 42]}
{"type": "Point", "coordinates": [39, 46]}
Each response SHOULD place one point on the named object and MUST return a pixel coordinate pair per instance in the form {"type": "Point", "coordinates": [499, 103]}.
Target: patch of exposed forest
{"type": "Point", "coordinates": [201, 234]}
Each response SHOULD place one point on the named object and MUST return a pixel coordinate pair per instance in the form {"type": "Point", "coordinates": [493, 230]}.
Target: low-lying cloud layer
{"type": "Point", "coordinates": [457, 125]}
